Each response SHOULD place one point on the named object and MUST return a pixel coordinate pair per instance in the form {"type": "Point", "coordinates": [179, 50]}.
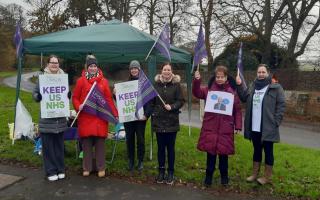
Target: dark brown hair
{"type": "Point", "coordinates": [53, 56]}
{"type": "Point", "coordinates": [265, 66]}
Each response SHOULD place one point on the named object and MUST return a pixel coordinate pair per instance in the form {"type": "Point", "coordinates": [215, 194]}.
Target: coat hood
{"type": "Point", "coordinates": [175, 78]}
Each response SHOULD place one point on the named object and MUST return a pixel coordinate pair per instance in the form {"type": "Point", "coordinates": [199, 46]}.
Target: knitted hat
{"type": "Point", "coordinates": [134, 64]}
{"type": "Point", "coordinates": [91, 61]}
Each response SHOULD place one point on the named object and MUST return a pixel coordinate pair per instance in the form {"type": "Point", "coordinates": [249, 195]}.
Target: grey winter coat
{"type": "Point", "coordinates": [49, 125]}
{"type": "Point", "coordinates": [171, 92]}
{"type": "Point", "coordinates": [273, 106]}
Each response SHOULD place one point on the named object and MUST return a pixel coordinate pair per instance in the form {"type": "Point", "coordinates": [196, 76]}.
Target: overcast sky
{"type": "Point", "coordinates": [312, 52]}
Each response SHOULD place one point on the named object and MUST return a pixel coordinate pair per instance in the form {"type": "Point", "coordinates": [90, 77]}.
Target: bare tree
{"type": "Point", "coordinates": [270, 19]}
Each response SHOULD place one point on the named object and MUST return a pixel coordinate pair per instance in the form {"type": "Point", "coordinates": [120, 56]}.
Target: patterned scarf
{"type": "Point", "coordinates": [90, 76]}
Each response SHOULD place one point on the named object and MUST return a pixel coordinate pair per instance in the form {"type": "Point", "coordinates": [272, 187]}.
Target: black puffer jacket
{"type": "Point", "coordinates": [171, 92]}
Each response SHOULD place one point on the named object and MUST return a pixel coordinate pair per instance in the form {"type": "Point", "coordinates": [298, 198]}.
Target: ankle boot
{"type": "Point", "coordinates": [140, 165]}
{"type": "Point", "coordinates": [224, 178]}
{"type": "Point", "coordinates": [130, 165]}
{"type": "Point", "coordinates": [267, 178]}
{"type": "Point", "coordinates": [208, 180]}
{"type": "Point", "coordinates": [255, 172]}
{"type": "Point", "coordinates": [170, 178]}
{"type": "Point", "coordinates": [160, 177]}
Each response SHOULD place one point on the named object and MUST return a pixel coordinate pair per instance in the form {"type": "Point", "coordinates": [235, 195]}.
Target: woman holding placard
{"type": "Point", "coordinates": [264, 111]}
{"type": "Point", "coordinates": [51, 131]}
{"type": "Point", "coordinates": [92, 129]}
{"type": "Point", "coordinates": [165, 119]}
{"type": "Point", "coordinates": [222, 118]}
{"type": "Point", "coordinates": [136, 129]}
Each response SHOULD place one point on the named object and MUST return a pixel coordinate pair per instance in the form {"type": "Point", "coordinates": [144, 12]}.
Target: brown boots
{"type": "Point", "coordinates": [255, 172]}
{"type": "Point", "coordinates": [267, 178]}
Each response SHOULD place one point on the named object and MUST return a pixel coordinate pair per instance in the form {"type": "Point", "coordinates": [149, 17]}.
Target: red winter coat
{"type": "Point", "coordinates": [217, 132]}
{"type": "Point", "coordinates": [90, 125]}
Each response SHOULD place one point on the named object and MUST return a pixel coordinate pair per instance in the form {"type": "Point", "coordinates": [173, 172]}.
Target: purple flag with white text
{"type": "Point", "coordinates": [200, 50]}
{"type": "Point", "coordinates": [18, 40]}
{"type": "Point", "coordinates": [240, 66]}
{"type": "Point", "coordinates": [97, 105]}
{"type": "Point", "coordinates": [163, 42]}
{"type": "Point", "coordinates": [146, 91]}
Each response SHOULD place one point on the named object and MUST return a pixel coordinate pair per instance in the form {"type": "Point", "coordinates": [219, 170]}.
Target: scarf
{"type": "Point", "coordinates": [90, 76]}
{"type": "Point", "coordinates": [47, 71]}
{"type": "Point", "coordinates": [259, 84]}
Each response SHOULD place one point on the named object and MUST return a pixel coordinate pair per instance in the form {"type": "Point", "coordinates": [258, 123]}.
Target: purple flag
{"type": "Point", "coordinates": [240, 66]}
{"type": "Point", "coordinates": [97, 105]}
{"type": "Point", "coordinates": [163, 42]}
{"type": "Point", "coordinates": [146, 91]}
{"type": "Point", "coordinates": [200, 50]}
{"type": "Point", "coordinates": [18, 40]}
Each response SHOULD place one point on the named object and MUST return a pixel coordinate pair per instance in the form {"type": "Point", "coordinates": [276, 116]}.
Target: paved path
{"type": "Point", "coordinates": [25, 84]}
{"type": "Point", "coordinates": [290, 132]}
{"type": "Point", "coordinates": [34, 186]}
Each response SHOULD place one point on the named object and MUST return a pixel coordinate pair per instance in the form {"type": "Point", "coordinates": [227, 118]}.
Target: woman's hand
{"type": "Point", "coordinates": [197, 75]}
{"type": "Point", "coordinates": [114, 91]}
{"type": "Point", "coordinates": [237, 131]}
{"type": "Point", "coordinates": [167, 107]}
{"type": "Point", "coordinates": [238, 79]}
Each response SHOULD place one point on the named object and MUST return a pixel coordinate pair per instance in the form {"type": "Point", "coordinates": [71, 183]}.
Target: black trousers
{"type": "Point", "coordinates": [223, 164]}
{"type": "Point", "coordinates": [258, 146]}
{"type": "Point", "coordinates": [133, 129]}
{"type": "Point", "coordinates": [53, 153]}
{"type": "Point", "coordinates": [166, 141]}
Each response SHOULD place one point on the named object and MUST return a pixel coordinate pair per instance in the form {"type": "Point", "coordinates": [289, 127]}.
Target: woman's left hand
{"type": "Point", "coordinates": [237, 131]}
{"type": "Point", "coordinates": [168, 107]}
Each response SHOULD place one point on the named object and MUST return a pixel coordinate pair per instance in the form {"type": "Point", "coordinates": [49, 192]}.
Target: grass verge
{"type": "Point", "coordinates": [296, 172]}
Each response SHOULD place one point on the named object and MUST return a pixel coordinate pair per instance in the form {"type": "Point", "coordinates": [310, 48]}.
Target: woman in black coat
{"type": "Point", "coordinates": [136, 128]}
{"type": "Point", "coordinates": [165, 119]}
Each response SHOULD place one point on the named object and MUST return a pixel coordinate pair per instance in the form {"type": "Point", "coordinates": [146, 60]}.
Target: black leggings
{"type": "Point", "coordinates": [166, 141]}
{"type": "Point", "coordinates": [258, 145]}
{"type": "Point", "coordinates": [223, 163]}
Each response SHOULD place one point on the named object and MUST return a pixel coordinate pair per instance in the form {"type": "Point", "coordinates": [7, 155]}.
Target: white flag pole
{"type": "Point", "coordinates": [154, 44]}
{"type": "Point", "coordinates": [84, 102]}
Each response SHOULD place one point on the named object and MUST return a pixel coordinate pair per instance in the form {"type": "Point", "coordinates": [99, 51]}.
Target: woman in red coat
{"type": "Point", "coordinates": [217, 132]}
{"type": "Point", "coordinates": [92, 130]}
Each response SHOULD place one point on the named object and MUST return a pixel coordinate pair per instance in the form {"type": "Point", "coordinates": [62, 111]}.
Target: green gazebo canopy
{"type": "Point", "coordinates": [111, 41]}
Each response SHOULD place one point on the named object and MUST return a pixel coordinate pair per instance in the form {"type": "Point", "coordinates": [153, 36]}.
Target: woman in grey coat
{"type": "Point", "coordinates": [264, 111]}
{"type": "Point", "coordinates": [51, 131]}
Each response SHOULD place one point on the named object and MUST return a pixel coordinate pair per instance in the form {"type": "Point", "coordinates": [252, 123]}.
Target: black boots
{"type": "Point", "coordinates": [209, 175]}
{"type": "Point", "coordinates": [140, 165]}
{"type": "Point", "coordinates": [208, 180]}
{"type": "Point", "coordinates": [224, 178]}
{"type": "Point", "coordinates": [160, 177]}
{"type": "Point", "coordinates": [170, 178]}
{"type": "Point", "coordinates": [130, 165]}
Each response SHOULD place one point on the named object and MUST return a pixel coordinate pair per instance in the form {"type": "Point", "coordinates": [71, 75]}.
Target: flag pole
{"type": "Point", "coordinates": [154, 44]}
{"type": "Point", "coordinates": [198, 67]}
{"type": "Point", "coordinates": [85, 100]}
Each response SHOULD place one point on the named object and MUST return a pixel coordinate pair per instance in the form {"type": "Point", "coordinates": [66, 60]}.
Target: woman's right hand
{"type": "Point", "coordinates": [197, 75]}
{"type": "Point", "coordinates": [238, 79]}
{"type": "Point", "coordinates": [114, 91]}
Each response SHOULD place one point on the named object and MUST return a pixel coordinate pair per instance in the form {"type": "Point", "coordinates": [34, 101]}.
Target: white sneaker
{"type": "Point", "coordinates": [61, 176]}
{"type": "Point", "coordinates": [52, 178]}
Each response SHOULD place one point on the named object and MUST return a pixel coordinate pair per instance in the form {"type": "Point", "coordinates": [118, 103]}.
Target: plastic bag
{"type": "Point", "coordinates": [24, 125]}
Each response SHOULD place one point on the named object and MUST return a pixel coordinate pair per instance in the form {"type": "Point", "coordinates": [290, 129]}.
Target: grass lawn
{"type": "Point", "coordinates": [296, 172]}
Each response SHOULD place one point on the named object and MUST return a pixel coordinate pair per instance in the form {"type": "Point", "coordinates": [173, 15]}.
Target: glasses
{"type": "Point", "coordinates": [55, 63]}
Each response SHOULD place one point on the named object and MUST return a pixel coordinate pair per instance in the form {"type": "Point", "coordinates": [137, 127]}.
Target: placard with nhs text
{"type": "Point", "coordinates": [54, 90]}
{"type": "Point", "coordinates": [126, 95]}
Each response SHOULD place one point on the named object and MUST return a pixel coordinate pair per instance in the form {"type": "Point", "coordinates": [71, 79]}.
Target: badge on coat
{"type": "Point", "coordinates": [219, 102]}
